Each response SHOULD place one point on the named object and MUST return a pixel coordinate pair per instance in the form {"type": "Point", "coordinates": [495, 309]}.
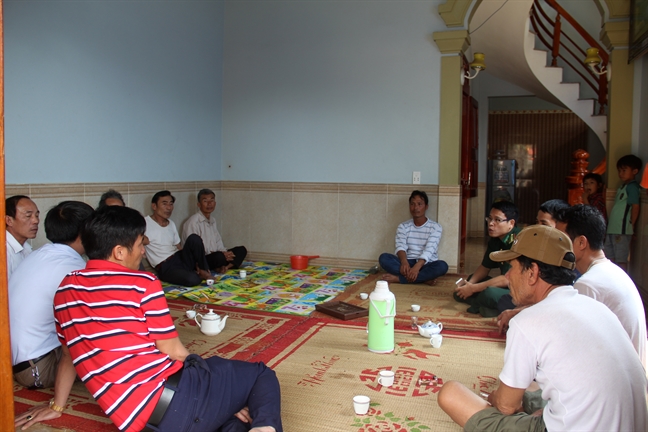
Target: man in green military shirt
{"type": "Point", "coordinates": [480, 291]}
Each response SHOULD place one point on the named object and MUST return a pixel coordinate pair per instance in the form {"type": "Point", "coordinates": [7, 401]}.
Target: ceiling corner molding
{"type": "Point", "coordinates": [618, 9]}
{"type": "Point", "coordinates": [453, 12]}
{"type": "Point", "coordinates": [452, 41]}
{"type": "Point", "coordinates": [615, 34]}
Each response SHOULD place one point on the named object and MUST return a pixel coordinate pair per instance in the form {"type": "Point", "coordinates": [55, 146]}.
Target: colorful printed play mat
{"type": "Point", "coordinates": [271, 287]}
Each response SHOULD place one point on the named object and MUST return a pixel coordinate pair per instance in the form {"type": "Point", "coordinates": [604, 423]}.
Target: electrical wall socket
{"type": "Point", "coordinates": [416, 177]}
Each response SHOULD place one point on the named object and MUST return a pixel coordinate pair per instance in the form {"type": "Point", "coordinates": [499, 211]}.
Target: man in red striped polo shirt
{"type": "Point", "coordinates": [116, 332]}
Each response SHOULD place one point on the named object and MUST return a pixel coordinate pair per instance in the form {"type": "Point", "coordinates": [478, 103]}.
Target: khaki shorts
{"type": "Point", "coordinates": [491, 419]}
{"type": "Point", "coordinates": [47, 368]}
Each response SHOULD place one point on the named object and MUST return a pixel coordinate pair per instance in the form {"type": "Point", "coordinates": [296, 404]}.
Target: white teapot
{"type": "Point", "coordinates": [210, 323]}
{"type": "Point", "coordinates": [429, 328]}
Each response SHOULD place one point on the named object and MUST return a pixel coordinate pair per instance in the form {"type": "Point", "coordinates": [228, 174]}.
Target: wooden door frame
{"type": "Point", "coordinates": [6, 377]}
{"type": "Point", "coordinates": [469, 162]}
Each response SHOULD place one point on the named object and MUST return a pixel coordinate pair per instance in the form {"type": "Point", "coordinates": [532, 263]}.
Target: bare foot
{"type": "Point", "coordinates": [391, 278]}
{"type": "Point", "coordinates": [431, 282]}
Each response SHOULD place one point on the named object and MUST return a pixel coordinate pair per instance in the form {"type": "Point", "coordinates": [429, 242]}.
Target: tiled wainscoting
{"type": "Point", "coordinates": [345, 224]}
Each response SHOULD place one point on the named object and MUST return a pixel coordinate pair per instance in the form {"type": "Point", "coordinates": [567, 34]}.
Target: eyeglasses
{"type": "Point", "coordinates": [489, 219]}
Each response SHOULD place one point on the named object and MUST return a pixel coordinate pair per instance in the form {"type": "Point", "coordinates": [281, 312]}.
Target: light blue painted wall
{"type": "Point", "coordinates": [331, 91]}
{"type": "Point", "coordinates": [100, 91]}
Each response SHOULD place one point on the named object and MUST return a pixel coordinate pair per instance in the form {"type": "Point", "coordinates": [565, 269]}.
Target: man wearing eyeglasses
{"type": "Point", "coordinates": [480, 291]}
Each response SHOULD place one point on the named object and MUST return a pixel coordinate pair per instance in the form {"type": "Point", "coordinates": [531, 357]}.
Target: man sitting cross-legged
{"type": "Point", "coordinates": [572, 346]}
{"type": "Point", "coordinates": [116, 331]}
{"type": "Point", "coordinates": [601, 279]}
{"type": "Point", "coordinates": [479, 291]}
{"type": "Point", "coordinates": [417, 241]}
{"type": "Point", "coordinates": [203, 224]}
{"type": "Point", "coordinates": [35, 348]}
{"type": "Point", "coordinates": [185, 265]}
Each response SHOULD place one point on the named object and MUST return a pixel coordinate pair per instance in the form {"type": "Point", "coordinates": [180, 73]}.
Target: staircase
{"type": "Point", "coordinates": [503, 33]}
{"type": "Point", "coordinates": [568, 93]}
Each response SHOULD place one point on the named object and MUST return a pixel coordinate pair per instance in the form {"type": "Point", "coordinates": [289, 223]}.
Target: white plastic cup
{"type": "Point", "coordinates": [191, 314]}
{"type": "Point", "coordinates": [209, 282]}
{"type": "Point", "coordinates": [242, 274]}
{"type": "Point", "coordinates": [416, 308]}
{"type": "Point", "coordinates": [364, 296]}
{"type": "Point", "coordinates": [361, 404]}
{"type": "Point", "coordinates": [436, 341]}
{"type": "Point", "coordinates": [386, 378]}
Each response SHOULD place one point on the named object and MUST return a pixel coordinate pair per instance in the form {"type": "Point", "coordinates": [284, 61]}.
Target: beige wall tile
{"type": "Point", "coordinates": [397, 213]}
{"type": "Point", "coordinates": [235, 210]}
{"type": "Point", "coordinates": [350, 223]}
{"type": "Point", "coordinates": [315, 224]}
{"type": "Point", "coordinates": [270, 221]}
{"type": "Point", "coordinates": [185, 206]}
{"type": "Point", "coordinates": [364, 229]}
{"type": "Point", "coordinates": [44, 205]}
{"type": "Point", "coordinates": [475, 212]}
{"type": "Point", "coordinates": [140, 201]}
{"type": "Point", "coordinates": [449, 218]}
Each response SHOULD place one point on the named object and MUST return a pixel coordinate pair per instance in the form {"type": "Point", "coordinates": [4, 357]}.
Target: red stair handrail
{"type": "Point", "coordinates": [559, 49]}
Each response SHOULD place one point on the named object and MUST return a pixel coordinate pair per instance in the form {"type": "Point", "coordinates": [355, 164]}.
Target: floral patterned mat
{"type": "Point", "coordinates": [271, 287]}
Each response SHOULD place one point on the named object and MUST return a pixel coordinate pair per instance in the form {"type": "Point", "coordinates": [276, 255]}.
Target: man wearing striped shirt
{"type": "Point", "coordinates": [115, 329]}
{"type": "Point", "coordinates": [417, 241]}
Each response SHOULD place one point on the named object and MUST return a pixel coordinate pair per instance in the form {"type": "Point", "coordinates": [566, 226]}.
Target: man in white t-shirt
{"type": "Point", "coordinates": [22, 218]}
{"type": "Point", "coordinates": [572, 346]}
{"type": "Point", "coordinates": [35, 347]}
{"type": "Point", "coordinates": [186, 265]}
{"type": "Point", "coordinates": [603, 280]}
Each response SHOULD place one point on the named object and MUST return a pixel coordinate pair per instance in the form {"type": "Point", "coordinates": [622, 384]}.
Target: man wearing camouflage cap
{"type": "Point", "coordinates": [572, 346]}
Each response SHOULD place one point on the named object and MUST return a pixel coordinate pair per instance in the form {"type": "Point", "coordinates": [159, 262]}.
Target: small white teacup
{"type": "Point", "coordinates": [191, 314]}
{"type": "Point", "coordinates": [361, 404]}
{"type": "Point", "coordinates": [209, 282]}
{"type": "Point", "coordinates": [436, 340]}
{"type": "Point", "coordinates": [364, 296]}
{"type": "Point", "coordinates": [242, 274]}
{"type": "Point", "coordinates": [416, 308]}
{"type": "Point", "coordinates": [386, 378]}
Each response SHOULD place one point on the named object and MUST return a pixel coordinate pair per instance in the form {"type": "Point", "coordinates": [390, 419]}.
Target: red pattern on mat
{"type": "Point", "coordinates": [84, 415]}
{"type": "Point", "coordinates": [272, 351]}
{"type": "Point", "coordinates": [246, 345]}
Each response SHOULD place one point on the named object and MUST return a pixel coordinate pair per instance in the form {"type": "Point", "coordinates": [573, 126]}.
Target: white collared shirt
{"type": "Point", "coordinates": [16, 253]}
{"type": "Point", "coordinates": [31, 299]}
{"type": "Point", "coordinates": [206, 229]}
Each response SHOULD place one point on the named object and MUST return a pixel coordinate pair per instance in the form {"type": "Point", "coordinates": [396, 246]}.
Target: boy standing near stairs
{"type": "Point", "coordinates": [625, 212]}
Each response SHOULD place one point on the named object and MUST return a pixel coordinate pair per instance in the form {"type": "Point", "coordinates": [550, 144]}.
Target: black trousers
{"type": "Point", "coordinates": [180, 268]}
{"type": "Point", "coordinates": [217, 259]}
